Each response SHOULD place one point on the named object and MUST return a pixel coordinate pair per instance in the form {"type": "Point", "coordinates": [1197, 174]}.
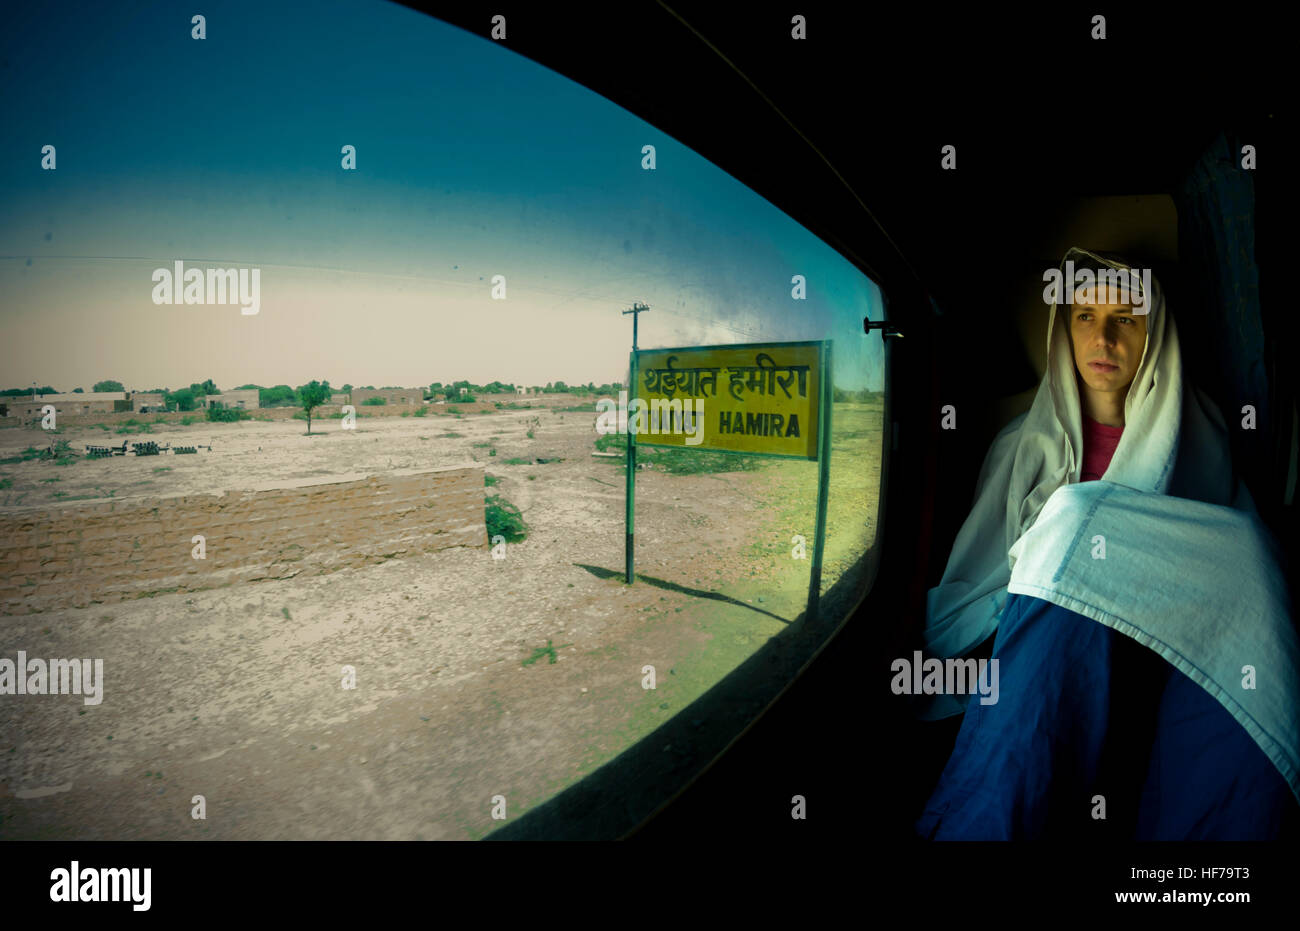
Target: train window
{"type": "Point", "coordinates": [374, 547]}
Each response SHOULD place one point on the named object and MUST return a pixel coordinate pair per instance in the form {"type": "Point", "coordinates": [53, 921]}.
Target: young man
{"type": "Point", "coordinates": [1108, 341]}
{"type": "Point", "coordinates": [1128, 643]}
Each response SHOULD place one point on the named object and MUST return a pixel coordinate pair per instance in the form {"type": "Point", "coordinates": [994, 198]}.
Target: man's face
{"type": "Point", "coordinates": [1107, 333]}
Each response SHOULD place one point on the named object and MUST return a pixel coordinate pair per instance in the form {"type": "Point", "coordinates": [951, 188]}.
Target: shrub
{"type": "Point", "coordinates": [421, 412]}
{"type": "Point", "coordinates": [226, 415]}
{"type": "Point", "coordinates": [63, 454]}
{"type": "Point", "coordinates": [517, 461]}
{"type": "Point", "coordinates": [374, 402]}
{"type": "Point", "coordinates": [503, 518]}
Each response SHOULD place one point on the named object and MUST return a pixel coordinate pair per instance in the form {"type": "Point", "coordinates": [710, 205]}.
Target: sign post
{"type": "Point", "coordinates": [755, 399]}
{"type": "Point", "coordinates": [823, 483]}
{"type": "Point", "coordinates": [629, 555]}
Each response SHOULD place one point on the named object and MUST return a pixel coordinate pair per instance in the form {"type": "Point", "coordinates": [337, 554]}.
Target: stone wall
{"type": "Point", "coordinates": [78, 555]}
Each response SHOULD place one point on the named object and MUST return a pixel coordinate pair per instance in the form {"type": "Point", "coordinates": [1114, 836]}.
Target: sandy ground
{"type": "Point", "coordinates": [235, 694]}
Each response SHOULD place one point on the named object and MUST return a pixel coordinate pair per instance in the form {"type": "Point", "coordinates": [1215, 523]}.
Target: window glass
{"type": "Point", "coordinates": [447, 235]}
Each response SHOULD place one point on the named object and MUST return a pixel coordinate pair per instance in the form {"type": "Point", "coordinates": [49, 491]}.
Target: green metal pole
{"type": "Point", "coordinates": [823, 480]}
{"type": "Point", "coordinates": [631, 466]}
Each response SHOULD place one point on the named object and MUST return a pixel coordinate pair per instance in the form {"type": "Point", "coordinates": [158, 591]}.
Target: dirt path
{"type": "Point", "coordinates": [234, 694]}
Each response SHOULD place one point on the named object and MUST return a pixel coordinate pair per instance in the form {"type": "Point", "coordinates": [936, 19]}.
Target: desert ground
{"type": "Point", "coordinates": [234, 694]}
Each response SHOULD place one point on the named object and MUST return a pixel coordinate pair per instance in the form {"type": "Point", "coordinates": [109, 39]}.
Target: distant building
{"type": "Point", "coordinates": [390, 395]}
{"type": "Point", "coordinates": [521, 390]}
{"type": "Point", "coordinates": [339, 399]}
{"type": "Point", "coordinates": [96, 402]}
{"type": "Point", "coordinates": [143, 402]}
{"type": "Point", "coordinates": [245, 399]}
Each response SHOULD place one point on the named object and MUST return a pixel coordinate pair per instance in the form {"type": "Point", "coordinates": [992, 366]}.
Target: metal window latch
{"type": "Point", "coordinates": [886, 329]}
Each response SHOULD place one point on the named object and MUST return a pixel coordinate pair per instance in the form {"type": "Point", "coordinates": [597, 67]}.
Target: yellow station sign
{"type": "Point", "coordinates": [760, 398]}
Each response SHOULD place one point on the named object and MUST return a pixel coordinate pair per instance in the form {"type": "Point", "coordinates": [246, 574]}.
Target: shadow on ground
{"type": "Point", "coordinates": [602, 573]}
{"type": "Point", "coordinates": [610, 802]}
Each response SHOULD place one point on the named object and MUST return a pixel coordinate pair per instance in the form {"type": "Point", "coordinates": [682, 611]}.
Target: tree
{"type": "Point", "coordinates": [183, 399]}
{"type": "Point", "coordinates": [278, 396]}
{"type": "Point", "coordinates": [346, 389]}
{"type": "Point", "coordinates": [78, 390]}
{"type": "Point", "coordinates": [207, 386]}
{"type": "Point", "coordinates": [311, 396]}
{"type": "Point", "coordinates": [108, 385]}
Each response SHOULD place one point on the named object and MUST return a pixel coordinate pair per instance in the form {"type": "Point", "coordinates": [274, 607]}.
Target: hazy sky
{"type": "Point", "coordinates": [471, 162]}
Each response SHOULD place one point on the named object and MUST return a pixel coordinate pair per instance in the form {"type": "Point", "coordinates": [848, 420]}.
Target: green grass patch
{"type": "Point", "coordinates": [450, 435]}
{"type": "Point", "coordinates": [681, 461]}
{"type": "Point", "coordinates": [31, 452]}
{"type": "Point", "coordinates": [516, 460]}
{"type": "Point", "coordinates": [163, 469]}
{"type": "Point", "coordinates": [547, 650]}
{"type": "Point", "coordinates": [488, 480]}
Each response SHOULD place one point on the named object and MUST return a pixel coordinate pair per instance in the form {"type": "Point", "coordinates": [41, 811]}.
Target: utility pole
{"type": "Point", "coordinates": [637, 309]}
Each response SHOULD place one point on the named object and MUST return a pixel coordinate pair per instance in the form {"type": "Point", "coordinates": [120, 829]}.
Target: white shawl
{"type": "Point", "coordinates": [1174, 443]}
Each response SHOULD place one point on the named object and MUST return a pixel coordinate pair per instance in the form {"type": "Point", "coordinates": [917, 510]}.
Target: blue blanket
{"type": "Point", "coordinates": [1095, 737]}
{"type": "Point", "coordinates": [1214, 687]}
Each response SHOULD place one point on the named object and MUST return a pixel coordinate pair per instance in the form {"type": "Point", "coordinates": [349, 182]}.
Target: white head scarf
{"type": "Point", "coordinates": [1174, 443]}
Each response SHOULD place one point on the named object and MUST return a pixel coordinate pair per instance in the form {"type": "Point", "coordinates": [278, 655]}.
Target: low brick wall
{"type": "Point", "coordinates": [78, 555]}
